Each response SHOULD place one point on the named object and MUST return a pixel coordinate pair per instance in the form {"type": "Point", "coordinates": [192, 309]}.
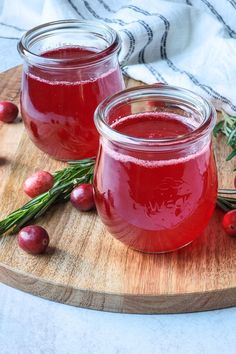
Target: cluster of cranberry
{"type": "Point", "coordinates": [34, 239]}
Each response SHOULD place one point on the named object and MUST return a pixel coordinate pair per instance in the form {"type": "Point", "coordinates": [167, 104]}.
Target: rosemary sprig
{"type": "Point", "coordinates": [225, 199]}
{"type": "Point", "coordinates": [227, 126]}
{"type": "Point", "coordinates": [65, 180]}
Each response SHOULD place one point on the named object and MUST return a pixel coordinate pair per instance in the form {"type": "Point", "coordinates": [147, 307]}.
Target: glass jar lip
{"type": "Point", "coordinates": [28, 55]}
{"type": "Point", "coordinates": [163, 90]}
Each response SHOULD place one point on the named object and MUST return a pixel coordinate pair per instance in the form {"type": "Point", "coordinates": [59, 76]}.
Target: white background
{"type": "Point", "coordinates": [30, 325]}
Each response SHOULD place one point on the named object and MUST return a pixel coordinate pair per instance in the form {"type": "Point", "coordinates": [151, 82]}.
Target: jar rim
{"type": "Point", "coordinates": [160, 90]}
{"type": "Point", "coordinates": [29, 36]}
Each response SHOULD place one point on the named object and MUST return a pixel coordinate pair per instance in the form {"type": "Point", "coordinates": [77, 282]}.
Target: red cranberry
{"type": "Point", "coordinates": [8, 111]}
{"type": "Point", "coordinates": [33, 239]}
{"type": "Point", "coordinates": [229, 223]}
{"type": "Point", "coordinates": [82, 197]}
{"type": "Point", "coordinates": [38, 183]}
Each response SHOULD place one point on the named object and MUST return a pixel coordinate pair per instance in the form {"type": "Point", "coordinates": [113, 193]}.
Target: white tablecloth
{"type": "Point", "coordinates": [188, 43]}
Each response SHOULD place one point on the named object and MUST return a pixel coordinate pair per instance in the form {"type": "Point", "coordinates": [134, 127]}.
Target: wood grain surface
{"type": "Point", "coordinates": [87, 267]}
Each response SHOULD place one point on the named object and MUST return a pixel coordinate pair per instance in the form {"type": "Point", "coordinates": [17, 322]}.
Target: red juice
{"type": "Point", "coordinates": [58, 103]}
{"type": "Point", "coordinates": [154, 203]}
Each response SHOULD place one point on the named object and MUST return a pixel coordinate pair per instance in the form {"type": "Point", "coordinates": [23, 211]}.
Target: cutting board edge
{"type": "Point", "coordinates": [122, 303]}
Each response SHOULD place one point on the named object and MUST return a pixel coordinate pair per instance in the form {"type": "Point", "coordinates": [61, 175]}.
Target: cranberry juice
{"type": "Point", "coordinates": [58, 104]}
{"type": "Point", "coordinates": [150, 203]}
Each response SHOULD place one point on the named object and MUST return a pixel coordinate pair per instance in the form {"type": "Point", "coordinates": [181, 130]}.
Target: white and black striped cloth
{"type": "Point", "coordinates": [189, 43]}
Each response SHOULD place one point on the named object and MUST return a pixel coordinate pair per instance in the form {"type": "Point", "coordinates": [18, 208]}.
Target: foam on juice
{"type": "Point", "coordinates": [125, 158]}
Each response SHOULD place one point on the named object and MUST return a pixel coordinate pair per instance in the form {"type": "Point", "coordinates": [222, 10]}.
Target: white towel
{"type": "Point", "coordinates": [188, 43]}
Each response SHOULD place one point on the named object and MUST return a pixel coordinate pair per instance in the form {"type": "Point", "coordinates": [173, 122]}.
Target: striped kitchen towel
{"type": "Point", "coordinates": [188, 43]}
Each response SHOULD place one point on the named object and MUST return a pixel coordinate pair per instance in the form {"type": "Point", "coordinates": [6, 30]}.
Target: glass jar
{"type": "Point", "coordinates": [155, 175]}
{"type": "Point", "coordinates": [69, 68]}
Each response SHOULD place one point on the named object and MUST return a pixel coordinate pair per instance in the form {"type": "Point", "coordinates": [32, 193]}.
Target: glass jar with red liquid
{"type": "Point", "coordinates": [155, 176]}
{"type": "Point", "coordinates": [69, 68]}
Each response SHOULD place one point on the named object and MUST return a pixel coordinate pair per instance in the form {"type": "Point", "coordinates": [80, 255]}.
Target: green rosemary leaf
{"type": "Point", "coordinates": [218, 127]}
{"type": "Point", "coordinates": [231, 155]}
{"type": "Point", "coordinates": [227, 126]}
{"type": "Point", "coordinates": [225, 199]}
{"type": "Point", "coordinates": [222, 205]}
{"type": "Point", "coordinates": [227, 191]}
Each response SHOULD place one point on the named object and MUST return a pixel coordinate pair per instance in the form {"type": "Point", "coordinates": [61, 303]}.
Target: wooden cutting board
{"type": "Point", "coordinates": [87, 267]}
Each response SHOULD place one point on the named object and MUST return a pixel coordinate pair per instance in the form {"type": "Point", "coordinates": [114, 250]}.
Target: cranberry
{"type": "Point", "coordinates": [8, 111]}
{"type": "Point", "coordinates": [82, 197]}
{"type": "Point", "coordinates": [38, 183]}
{"type": "Point", "coordinates": [229, 223]}
{"type": "Point", "coordinates": [33, 239]}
